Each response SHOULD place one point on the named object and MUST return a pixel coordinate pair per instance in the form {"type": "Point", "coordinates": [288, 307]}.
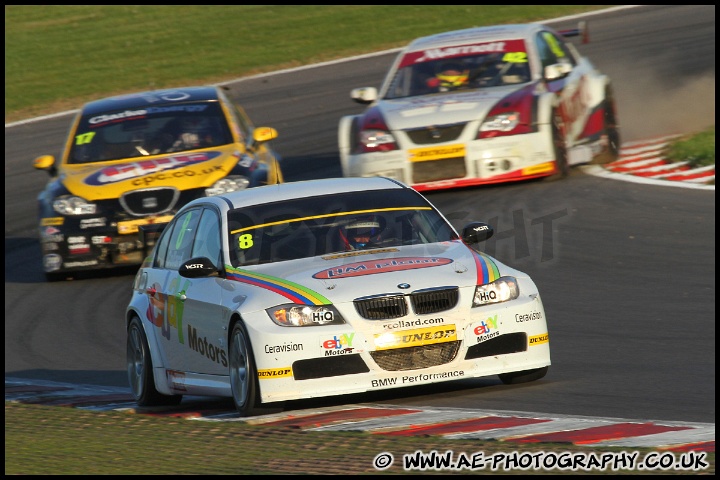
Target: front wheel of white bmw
{"type": "Point", "coordinates": [243, 373]}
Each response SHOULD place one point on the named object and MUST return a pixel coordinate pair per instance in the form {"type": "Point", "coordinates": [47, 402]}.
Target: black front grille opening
{"type": "Point", "coordinates": [335, 366]}
{"type": "Point", "coordinates": [434, 170]}
{"type": "Point", "coordinates": [152, 201]}
{"type": "Point", "coordinates": [501, 345]}
{"type": "Point", "coordinates": [433, 301]}
{"type": "Point", "coordinates": [434, 135]}
{"type": "Point", "coordinates": [412, 358]}
{"type": "Point", "coordinates": [381, 308]}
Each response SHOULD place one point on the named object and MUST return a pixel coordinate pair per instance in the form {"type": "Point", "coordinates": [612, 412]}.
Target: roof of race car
{"type": "Point", "coordinates": [151, 98]}
{"type": "Point", "coordinates": [476, 34]}
{"type": "Point", "coordinates": [300, 189]}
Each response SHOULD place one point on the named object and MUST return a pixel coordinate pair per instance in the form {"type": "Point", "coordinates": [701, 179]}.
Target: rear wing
{"type": "Point", "coordinates": [581, 31]}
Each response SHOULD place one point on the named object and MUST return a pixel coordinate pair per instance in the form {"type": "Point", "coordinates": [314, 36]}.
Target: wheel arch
{"type": "Point", "coordinates": [346, 140]}
{"type": "Point", "coordinates": [155, 355]}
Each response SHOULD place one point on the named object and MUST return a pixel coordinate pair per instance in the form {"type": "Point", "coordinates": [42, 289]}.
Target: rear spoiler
{"type": "Point", "coordinates": [582, 31]}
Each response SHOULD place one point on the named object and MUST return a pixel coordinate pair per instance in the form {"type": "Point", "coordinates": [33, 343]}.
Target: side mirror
{"type": "Point", "coordinates": [45, 162]}
{"type": "Point", "coordinates": [364, 95]}
{"type": "Point", "coordinates": [264, 134]}
{"type": "Point", "coordinates": [197, 267]}
{"type": "Point", "coordinates": [476, 232]}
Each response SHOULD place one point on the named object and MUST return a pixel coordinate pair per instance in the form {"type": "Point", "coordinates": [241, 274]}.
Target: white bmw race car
{"type": "Point", "coordinates": [482, 105]}
{"type": "Point", "coordinates": [324, 287]}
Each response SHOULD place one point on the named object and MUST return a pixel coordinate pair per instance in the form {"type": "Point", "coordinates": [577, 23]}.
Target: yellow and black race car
{"type": "Point", "coordinates": [134, 160]}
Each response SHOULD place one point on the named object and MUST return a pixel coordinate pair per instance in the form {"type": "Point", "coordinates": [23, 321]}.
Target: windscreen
{"type": "Point", "coordinates": [147, 131]}
{"type": "Point", "coordinates": [327, 224]}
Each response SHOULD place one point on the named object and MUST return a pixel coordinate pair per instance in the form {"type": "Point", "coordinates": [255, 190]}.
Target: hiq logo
{"type": "Point", "coordinates": [323, 317]}
{"type": "Point", "coordinates": [487, 296]}
{"type": "Point", "coordinates": [339, 342]}
{"type": "Point", "coordinates": [486, 325]}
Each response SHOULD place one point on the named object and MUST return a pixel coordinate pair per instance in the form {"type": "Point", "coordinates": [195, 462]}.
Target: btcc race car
{"type": "Point", "coordinates": [134, 160]}
{"type": "Point", "coordinates": [324, 287]}
{"type": "Point", "coordinates": [480, 106]}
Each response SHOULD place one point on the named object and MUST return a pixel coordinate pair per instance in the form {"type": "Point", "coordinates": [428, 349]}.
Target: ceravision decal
{"type": "Point", "coordinates": [416, 337]}
{"type": "Point", "coordinates": [371, 267]}
{"type": "Point", "coordinates": [538, 339]}
{"type": "Point", "coordinates": [487, 329]}
{"type": "Point", "coordinates": [126, 171]}
{"type": "Point", "coordinates": [286, 347]}
{"type": "Point", "coordinates": [528, 317]}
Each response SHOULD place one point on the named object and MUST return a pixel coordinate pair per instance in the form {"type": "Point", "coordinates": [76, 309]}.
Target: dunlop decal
{"type": "Point", "coordinates": [416, 337]}
{"type": "Point", "coordinates": [538, 339]}
{"type": "Point", "coordinates": [45, 222]}
{"type": "Point", "coordinates": [275, 373]}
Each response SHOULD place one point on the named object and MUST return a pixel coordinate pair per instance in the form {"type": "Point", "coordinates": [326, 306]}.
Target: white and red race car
{"type": "Point", "coordinates": [480, 106]}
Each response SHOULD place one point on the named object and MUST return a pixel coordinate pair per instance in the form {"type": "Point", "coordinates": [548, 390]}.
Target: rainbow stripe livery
{"type": "Point", "coordinates": [487, 270]}
{"type": "Point", "coordinates": [290, 290]}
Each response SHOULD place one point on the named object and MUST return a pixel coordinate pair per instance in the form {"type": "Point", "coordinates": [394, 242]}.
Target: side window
{"type": "Point", "coordinates": [544, 51]}
{"type": "Point", "coordinates": [553, 50]}
{"type": "Point", "coordinates": [181, 239]}
{"type": "Point", "coordinates": [241, 122]}
{"type": "Point", "coordinates": [162, 246]}
{"type": "Point", "coordinates": [207, 241]}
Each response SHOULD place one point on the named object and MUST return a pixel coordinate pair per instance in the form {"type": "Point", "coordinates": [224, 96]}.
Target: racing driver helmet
{"type": "Point", "coordinates": [363, 232]}
{"type": "Point", "coordinates": [451, 75]}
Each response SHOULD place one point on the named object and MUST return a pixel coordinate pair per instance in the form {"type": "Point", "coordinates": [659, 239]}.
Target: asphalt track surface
{"type": "Point", "coordinates": [627, 272]}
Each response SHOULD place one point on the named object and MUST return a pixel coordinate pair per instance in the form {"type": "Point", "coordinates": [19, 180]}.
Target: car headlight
{"type": "Point", "coordinates": [503, 122]}
{"type": "Point", "coordinates": [71, 205]}
{"type": "Point", "coordinates": [294, 315]}
{"type": "Point", "coordinates": [501, 290]}
{"type": "Point", "coordinates": [228, 184]}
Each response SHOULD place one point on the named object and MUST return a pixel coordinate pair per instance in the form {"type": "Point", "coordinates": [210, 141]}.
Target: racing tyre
{"type": "Point", "coordinates": [243, 373]}
{"type": "Point", "coordinates": [140, 369]}
{"type": "Point", "coordinates": [523, 376]}
{"type": "Point", "coordinates": [561, 157]}
{"type": "Point", "coordinates": [612, 132]}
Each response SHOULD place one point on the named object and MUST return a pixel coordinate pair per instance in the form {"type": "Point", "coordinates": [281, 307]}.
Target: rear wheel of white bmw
{"type": "Point", "coordinates": [561, 157]}
{"type": "Point", "coordinates": [243, 373]}
{"type": "Point", "coordinates": [523, 376]}
{"type": "Point", "coordinates": [140, 369]}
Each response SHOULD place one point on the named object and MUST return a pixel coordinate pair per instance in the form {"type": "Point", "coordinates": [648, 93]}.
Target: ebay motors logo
{"type": "Point", "coordinates": [371, 267]}
{"type": "Point", "coordinates": [119, 173]}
